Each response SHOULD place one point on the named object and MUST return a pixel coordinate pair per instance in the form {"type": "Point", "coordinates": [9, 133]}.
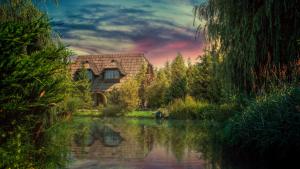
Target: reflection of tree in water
{"type": "Point", "coordinates": [131, 140]}
{"type": "Point", "coordinates": [88, 135]}
{"type": "Point", "coordinates": [106, 140]}
{"type": "Point", "coordinates": [125, 140]}
{"type": "Point", "coordinates": [145, 137]}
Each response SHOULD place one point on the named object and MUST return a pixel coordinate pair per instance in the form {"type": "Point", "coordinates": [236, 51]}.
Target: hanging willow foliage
{"type": "Point", "coordinates": [257, 38]}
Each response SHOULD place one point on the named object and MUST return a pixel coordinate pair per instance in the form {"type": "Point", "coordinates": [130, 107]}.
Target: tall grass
{"type": "Point", "coordinates": [270, 125]}
{"type": "Point", "coordinates": [189, 108]}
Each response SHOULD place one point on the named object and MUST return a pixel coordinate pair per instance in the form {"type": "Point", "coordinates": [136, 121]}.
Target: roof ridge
{"type": "Point", "coordinates": [114, 54]}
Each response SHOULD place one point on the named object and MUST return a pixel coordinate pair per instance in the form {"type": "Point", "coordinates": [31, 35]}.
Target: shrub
{"type": "Point", "coordinates": [271, 123]}
{"type": "Point", "coordinates": [183, 108]}
{"type": "Point", "coordinates": [113, 111]}
{"type": "Point", "coordinates": [165, 112]}
{"type": "Point", "coordinates": [71, 104]}
{"type": "Point", "coordinates": [186, 108]}
{"type": "Point", "coordinates": [189, 108]}
{"type": "Point", "coordinates": [126, 95]}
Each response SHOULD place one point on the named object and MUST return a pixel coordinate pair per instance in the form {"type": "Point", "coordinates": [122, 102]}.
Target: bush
{"type": "Point", "coordinates": [270, 124]}
{"type": "Point", "coordinates": [72, 104]}
{"type": "Point", "coordinates": [113, 111]}
{"type": "Point", "coordinates": [126, 96]}
{"type": "Point", "coordinates": [189, 108]}
{"type": "Point", "coordinates": [186, 108]}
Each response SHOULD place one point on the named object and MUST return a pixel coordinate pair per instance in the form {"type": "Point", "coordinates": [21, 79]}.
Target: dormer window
{"type": "Point", "coordinates": [111, 74]}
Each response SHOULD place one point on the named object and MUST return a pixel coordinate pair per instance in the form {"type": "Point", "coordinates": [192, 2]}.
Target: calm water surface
{"type": "Point", "coordinates": [115, 143]}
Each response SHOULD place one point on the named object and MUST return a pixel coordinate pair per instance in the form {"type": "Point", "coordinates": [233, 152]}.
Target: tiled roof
{"type": "Point", "coordinates": [127, 63]}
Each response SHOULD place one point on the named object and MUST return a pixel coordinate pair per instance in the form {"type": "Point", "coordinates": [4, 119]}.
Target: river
{"type": "Point", "coordinates": [123, 143]}
{"type": "Point", "coordinates": [129, 143]}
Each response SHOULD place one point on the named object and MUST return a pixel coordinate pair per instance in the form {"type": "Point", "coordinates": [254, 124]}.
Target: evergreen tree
{"type": "Point", "coordinates": [199, 76]}
{"type": "Point", "coordinates": [202, 79]}
{"type": "Point", "coordinates": [178, 86]}
{"type": "Point", "coordinates": [157, 91]}
{"type": "Point", "coordinates": [34, 80]}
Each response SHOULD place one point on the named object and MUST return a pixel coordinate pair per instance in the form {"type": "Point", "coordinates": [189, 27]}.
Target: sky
{"type": "Point", "coordinates": [158, 28]}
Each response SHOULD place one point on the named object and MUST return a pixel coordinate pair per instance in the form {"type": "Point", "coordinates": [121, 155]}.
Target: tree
{"type": "Point", "coordinates": [178, 86]}
{"type": "Point", "coordinates": [257, 40]}
{"type": "Point", "coordinates": [143, 79]}
{"type": "Point", "coordinates": [203, 81]}
{"type": "Point", "coordinates": [200, 76]}
{"type": "Point", "coordinates": [156, 92]}
{"type": "Point", "coordinates": [34, 80]}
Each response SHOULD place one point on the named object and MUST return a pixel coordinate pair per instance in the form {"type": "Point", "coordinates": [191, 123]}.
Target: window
{"type": "Point", "coordinates": [111, 74]}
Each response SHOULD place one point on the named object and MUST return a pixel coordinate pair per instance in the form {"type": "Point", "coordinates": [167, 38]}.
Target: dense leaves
{"type": "Point", "coordinates": [268, 125]}
{"type": "Point", "coordinates": [82, 89]}
{"type": "Point", "coordinates": [34, 83]}
{"type": "Point", "coordinates": [256, 38]}
{"type": "Point", "coordinates": [178, 86]}
{"type": "Point", "coordinates": [255, 54]}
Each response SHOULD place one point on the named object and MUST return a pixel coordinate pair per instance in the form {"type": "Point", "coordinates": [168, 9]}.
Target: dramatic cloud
{"type": "Point", "coordinates": [159, 28]}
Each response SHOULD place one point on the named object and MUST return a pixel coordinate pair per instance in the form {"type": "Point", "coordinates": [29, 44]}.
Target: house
{"type": "Point", "coordinates": [108, 71]}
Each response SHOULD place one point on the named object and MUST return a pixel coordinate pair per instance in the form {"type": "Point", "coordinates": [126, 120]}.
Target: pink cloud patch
{"type": "Point", "coordinates": [160, 54]}
{"type": "Point", "coordinates": [177, 45]}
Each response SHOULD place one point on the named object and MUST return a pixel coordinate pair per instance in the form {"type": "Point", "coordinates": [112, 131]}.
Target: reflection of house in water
{"type": "Point", "coordinates": [115, 144]}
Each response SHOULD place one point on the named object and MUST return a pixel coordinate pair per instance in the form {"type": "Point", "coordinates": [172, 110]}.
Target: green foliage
{"type": "Point", "coordinates": [55, 149]}
{"type": "Point", "coordinates": [82, 89]}
{"type": "Point", "coordinates": [71, 104]}
{"type": "Point", "coordinates": [254, 53]}
{"type": "Point", "coordinates": [269, 125]}
{"type": "Point", "coordinates": [126, 95]}
{"type": "Point", "coordinates": [18, 151]}
{"type": "Point", "coordinates": [156, 92]}
{"type": "Point", "coordinates": [131, 94]}
{"type": "Point", "coordinates": [177, 80]}
{"type": "Point", "coordinates": [113, 110]}
{"type": "Point", "coordinates": [189, 108]}
{"type": "Point", "coordinates": [30, 80]}
{"type": "Point", "coordinates": [142, 78]}
{"type": "Point", "coordinates": [13, 149]}
{"type": "Point", "coordinates": [33, 87]}
{"type": "Point", "coordinates": [178, 86]}
{"type": "Point", "coordinates": [183, 108]}
{"type": "Point", "coordinates": [256, 39]}
{"type": "Point", "coordinates": [202, 79]}
{"type": "Point", "coordinates": [186, 108]}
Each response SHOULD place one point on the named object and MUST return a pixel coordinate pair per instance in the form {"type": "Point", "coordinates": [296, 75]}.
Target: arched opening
{"type": "Point", "coordinates": [100, 98]}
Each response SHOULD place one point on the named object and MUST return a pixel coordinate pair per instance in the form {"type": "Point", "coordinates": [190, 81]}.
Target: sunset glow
{"type": "Point", "coordinates": [160, 29]}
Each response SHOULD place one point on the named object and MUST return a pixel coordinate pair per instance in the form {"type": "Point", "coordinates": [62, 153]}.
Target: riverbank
{"type": "Point", "coordinates": [132, 114]}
